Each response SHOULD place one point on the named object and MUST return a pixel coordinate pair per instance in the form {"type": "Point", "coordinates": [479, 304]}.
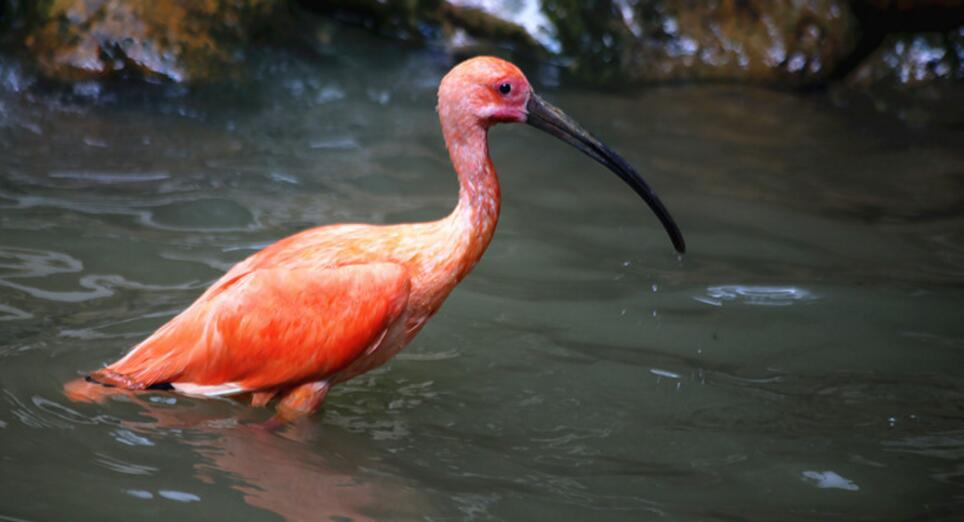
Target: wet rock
{"type": "Point", "coordinates": [465, 26]}
{"type": "Point", "coordinates": [912, 60]}
{"type": "Point", "coordinates": [917, 77]}
{"type": "Point", "coordinates": [179, 40]}
{"type": "Point", "coordinates": [462, 26]}
{"type": "Point", "coordinates": [609, 42]}
{"type": "Point", "coordinates": [785, 41]}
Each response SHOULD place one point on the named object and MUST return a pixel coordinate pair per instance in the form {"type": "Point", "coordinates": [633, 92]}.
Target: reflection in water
{"type": "Point", "coordinates": [297, 473]}
{"type": "Point", "coordinates": [288, 475]}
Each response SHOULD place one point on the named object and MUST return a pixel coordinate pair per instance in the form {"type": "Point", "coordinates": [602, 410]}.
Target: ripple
{"type": "Point", "coordinates": [178, 496]}
{"type": "Point", "coordinates": [8, 518]}
{"type": "Point", "coordinates": [665, 373]}
{"type": "Point", "coordinates": [38, 263]}
{"type": "Point", "coordinates": [96, 331]}
{"type": "Point", "coordinates": [120, 466]}
{"type": "Point", "coordinates": [202, 215]}
{"type": "Point", "coordinates": [109, 178]}
{"type": "Point", "coordinates": [97, 286]}
{"type": "Point", "coordinates": [139, 493]}
{"type": "Point", "coordinates": [755, 295]}
{"type": "Point", "coordinates": [9, 313]}
{"type": "Point", "coordinates": [379, 429]}
{"type": "Point", "coordinates": [829, 480]}
{"type": "Point", "coordinates": [23, 263]}
{"type": "Point", "coordinates": [60, 411]}
{"type": "Point", "coordinates": [45, 413]}
{"type": "Point", "coordinates": [949, 446]}
{"type": "Point", "coordinates": [92, 283]}
{"type": "Point", "coordinates": [428, 356]}
{"type": "Point", "coordinates": [130, 438]}
{"type": "Point", "coordinates": [345, 143]}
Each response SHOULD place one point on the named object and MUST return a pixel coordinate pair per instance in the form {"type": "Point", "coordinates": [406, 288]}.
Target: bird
{"type": "Point", "coordinates": [330, 303]}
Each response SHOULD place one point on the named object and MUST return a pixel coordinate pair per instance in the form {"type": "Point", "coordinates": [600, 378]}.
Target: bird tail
{"type": "Point", "coordinates": [86, 390]}
{"type": "Point", "coordinates": [103, 383]}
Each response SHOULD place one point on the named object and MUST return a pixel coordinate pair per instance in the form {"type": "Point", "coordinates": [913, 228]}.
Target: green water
{"type": "Point", "coordinates": [804, 361]}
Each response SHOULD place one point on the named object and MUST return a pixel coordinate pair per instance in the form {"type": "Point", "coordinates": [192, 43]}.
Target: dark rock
{"type": "Point", "coordinates": [410, 20]}
{"type": "Point", "coordinates": [461, 28]}
{"type": "Point", "coordinates": [780, 41]}
{"type": "Point", "coordinates": [912, 60]}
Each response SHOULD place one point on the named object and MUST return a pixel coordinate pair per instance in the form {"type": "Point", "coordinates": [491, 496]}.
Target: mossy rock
{"type": "Point", "coordinates": [179, 40]}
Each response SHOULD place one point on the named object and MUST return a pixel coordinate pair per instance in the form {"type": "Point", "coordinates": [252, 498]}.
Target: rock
{"type": "Point", "coordinates": [462, 26]}
{"type": "Point", "coordinates": [179, 40]}
{"type": "Point", "coordinates": [779, 41]}
{"type": "Point", "coordinates": [912, 60]}
{"type": "Point", "coordinates": [465, 25]}
{"type": "Point", "coordinates": [799, 43]}
{"type": "Point", "coordinates": [916, 77]}
{"type": "Point", "coordinates": [408, 20]}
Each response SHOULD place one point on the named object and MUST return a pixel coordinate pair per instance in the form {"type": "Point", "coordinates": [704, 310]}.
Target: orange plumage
{"type": "Point", "coordinates": [329, 303]}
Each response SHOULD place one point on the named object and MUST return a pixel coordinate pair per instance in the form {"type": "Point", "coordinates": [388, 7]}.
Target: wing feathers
{"type": "Point", "coordinates": [272, 327]}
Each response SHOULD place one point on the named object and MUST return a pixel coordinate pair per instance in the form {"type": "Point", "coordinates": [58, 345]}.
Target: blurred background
{"type": "Point", "coordinates": [896, 52]}
{"type": "Point", "coordinates": [803, 361]}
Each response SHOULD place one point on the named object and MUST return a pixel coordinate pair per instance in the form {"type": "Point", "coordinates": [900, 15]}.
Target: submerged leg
{"type": "Point", "coordinates": [303, 400]}
{"type": "Point", "coordinates": [261, 399]}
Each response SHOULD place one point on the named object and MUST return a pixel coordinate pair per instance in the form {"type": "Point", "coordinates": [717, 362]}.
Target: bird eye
{"type": "Point", "coordinates": [505, 88]}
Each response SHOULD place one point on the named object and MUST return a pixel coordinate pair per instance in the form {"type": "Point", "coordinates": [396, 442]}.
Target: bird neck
{"type": "Point", "coordinates": [472, 223]}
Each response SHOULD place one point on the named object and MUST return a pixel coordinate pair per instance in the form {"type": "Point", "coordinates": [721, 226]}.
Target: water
{"type": "Point", "coordinates": [803, 361]}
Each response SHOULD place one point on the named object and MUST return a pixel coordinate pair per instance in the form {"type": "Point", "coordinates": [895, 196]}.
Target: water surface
{"type": "Point", "coordinates": [803, 361]}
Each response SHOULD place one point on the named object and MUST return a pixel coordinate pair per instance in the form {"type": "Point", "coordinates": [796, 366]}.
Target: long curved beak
{"type": "Point", "coordinates": [546, 117]}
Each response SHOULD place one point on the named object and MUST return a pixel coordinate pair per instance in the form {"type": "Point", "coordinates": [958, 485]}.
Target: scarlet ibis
{"type": "Point", "coordinates": [329, 303]}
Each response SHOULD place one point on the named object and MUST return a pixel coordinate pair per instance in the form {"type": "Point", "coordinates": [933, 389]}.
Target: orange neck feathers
{"type": "Point", "coordinates": [477, 213]}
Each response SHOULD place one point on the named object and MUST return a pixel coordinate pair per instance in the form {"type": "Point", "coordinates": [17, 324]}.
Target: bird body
{"type": "Point", "coordinates": [329, 303]}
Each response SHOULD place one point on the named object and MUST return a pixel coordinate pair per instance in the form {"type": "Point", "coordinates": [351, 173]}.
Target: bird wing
{"type": "Point", "coordinates": [270, 328]}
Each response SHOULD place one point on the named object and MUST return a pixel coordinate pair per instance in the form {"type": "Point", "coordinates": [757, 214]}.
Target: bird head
{"type": "Point", "coordinates": [486, 89]}
{"type": "Point", "coordinates": [483, 91]}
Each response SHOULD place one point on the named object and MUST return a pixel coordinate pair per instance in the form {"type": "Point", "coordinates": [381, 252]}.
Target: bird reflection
{"type": "Point", "coordinates": [295, 470]}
